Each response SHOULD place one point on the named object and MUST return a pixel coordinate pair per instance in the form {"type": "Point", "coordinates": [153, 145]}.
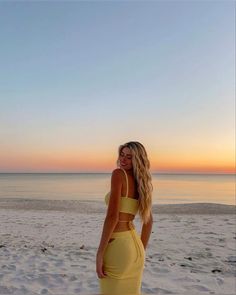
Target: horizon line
{"type": "Point", "coordinates": [103, 172]}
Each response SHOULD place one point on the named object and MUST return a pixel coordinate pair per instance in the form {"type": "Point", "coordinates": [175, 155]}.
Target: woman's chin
{"type": "Point", "coordinates": [126, 167]}
{"type": "Point", "coordinates": [123, 166]}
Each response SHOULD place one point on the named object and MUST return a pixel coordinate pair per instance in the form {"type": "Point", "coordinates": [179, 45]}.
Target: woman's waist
{"type": "Point", "coordinates": [124, 225]}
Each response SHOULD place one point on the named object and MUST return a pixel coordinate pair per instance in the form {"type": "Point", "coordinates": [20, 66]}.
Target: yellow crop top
{"type": "Point", "coordinates": [127, 204]}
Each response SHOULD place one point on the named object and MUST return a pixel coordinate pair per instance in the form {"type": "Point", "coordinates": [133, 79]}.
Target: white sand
{"type": "Point", "coordinates": [53, 251]}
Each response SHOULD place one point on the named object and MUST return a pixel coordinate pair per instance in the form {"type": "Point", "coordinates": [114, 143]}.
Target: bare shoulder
{"type": "Point", "coordinates": [117, 172]}
{"type": "Point", "coordinates": [115, 193]}
{"type": "Point", "coordinates": [116, 177]}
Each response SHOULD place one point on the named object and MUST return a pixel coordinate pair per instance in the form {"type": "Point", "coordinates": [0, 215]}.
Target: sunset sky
{"type": "Point", "coordinates": [77, 79]}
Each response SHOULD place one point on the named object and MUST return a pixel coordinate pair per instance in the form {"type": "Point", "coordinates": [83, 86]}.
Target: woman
{"type": "Point", "coordinates": [121, 253]}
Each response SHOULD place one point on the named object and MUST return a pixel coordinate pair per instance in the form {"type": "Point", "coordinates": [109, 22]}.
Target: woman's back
{"type": "Point", "coordinates": [128, 201]}
{"type": "Point", "coordinates": [121, 253]}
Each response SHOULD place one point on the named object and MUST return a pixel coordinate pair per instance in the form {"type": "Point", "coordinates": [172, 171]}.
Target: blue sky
{"type": "Point", "coordinates": [83, 77]}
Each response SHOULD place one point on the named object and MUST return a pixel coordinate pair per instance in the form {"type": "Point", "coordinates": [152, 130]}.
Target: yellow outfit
{"type": "Point", "coordinates": [124, 256]}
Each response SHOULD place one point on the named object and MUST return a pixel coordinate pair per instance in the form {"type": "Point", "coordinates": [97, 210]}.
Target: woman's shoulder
{"type": "Point", "coordinates": [116, 176]}
{"type": "Point", "coordinates": [117, 172]}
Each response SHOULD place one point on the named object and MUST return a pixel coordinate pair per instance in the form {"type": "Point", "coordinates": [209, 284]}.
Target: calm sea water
{"type": "Point", "coordinates": [168, 188]}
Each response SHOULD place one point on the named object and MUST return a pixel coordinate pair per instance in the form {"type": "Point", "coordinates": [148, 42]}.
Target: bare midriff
{"type": "Point", "coordinates": [123, 223]}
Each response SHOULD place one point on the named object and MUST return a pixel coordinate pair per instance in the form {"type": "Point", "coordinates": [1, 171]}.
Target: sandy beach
{"type": "Point", "coordinates": [49, 247]}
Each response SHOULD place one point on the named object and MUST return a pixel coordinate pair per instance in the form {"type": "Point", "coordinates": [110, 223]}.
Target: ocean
{"type": "Point", "coordinates": [167, 188]}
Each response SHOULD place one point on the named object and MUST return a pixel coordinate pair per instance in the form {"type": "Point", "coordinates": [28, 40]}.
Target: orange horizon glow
{"type": "Point", "coordinates": [72, 114]}
{"type": "Point", "coordinates": [73, 160]}
{"type": "Point", "coordinates": [57, 163]}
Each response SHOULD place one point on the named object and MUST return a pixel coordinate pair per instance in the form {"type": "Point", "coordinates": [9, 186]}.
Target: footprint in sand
{"type": "Point", "coordinates": [42, 280]}
{"type": "Point", "coordinates": [73, 278]}
{"type": "Point", "coordinates": [160, 270]}
{"type": "Point", "coordinates": [198, 288]}
{"type": "Point", "coordinates": [59, 263]}
{"type": "Point", "coordinates": [92, 283]}
{"type": "Point", "coordinates": [158, 291]}
{"type": "Point", "coordinates": [219, 281]}
{"type": "Point", "coordinates": [231, 259]}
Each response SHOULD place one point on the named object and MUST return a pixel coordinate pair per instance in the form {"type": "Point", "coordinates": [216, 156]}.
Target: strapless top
{"type": "Point", "coordinates": [127, 204]}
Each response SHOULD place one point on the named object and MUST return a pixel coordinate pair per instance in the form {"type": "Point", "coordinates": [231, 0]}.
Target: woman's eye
{"type": "Point", "coordinates": [122, 155]}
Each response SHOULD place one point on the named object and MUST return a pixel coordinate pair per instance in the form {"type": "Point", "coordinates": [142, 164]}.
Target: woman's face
{"type": "Point", "coordinates": [125, 159]}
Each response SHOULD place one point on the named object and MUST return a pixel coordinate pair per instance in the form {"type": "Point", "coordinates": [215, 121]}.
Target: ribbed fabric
{"type": "Point", "coordinates": [124, 255]}
{"type": "Point", "coordinates": [127, 204]}
{"type": "Point", "coordinates": [123, 263]}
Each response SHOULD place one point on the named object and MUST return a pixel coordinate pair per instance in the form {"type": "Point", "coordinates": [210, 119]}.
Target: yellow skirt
{"type": "Point", "coordinates": [123, 264]}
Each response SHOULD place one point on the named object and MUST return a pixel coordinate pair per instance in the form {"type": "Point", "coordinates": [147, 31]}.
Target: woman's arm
{"type": "Point", "coordinates": [112, 215]}
{"type": "Point", "coordinates": [146, 232]}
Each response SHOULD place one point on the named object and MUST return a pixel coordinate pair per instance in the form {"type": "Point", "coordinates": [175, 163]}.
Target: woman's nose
{"type": "Point", "coordinates": [123, 158]}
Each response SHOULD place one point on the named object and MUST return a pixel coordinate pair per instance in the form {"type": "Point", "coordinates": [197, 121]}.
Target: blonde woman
{"type": "Point", "coordinates": [121, 252]}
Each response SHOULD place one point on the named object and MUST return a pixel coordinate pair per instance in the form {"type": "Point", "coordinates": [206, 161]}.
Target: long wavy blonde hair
{"type": "Point", "coordinates": [142, 175]}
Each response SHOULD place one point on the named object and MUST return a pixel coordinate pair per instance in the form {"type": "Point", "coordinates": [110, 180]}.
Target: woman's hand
{"type": "Point", "coordinates": [99, 266]}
